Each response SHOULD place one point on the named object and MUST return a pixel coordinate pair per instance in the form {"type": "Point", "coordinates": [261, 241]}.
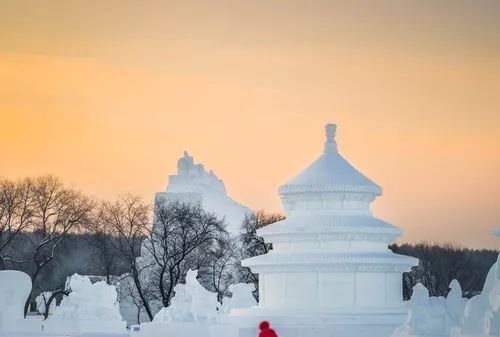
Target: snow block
{"type": "Point", "coordinates": [15, 287]}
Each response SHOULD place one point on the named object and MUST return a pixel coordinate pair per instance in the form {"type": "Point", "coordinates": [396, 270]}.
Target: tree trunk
{"type": "Point", "coordinates": [141, 295]}
{"type": "Point", "coordinates": [27, 303]}
{"type": "Point", "coordinates": [30, 297]}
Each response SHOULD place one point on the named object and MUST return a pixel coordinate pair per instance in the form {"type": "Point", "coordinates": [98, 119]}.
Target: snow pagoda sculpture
{"type": "Point", "coordinates": [330, 272]}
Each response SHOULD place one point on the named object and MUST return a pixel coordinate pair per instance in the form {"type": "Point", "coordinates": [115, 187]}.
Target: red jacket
{"type": "Point", "coordinates": [265, 330]}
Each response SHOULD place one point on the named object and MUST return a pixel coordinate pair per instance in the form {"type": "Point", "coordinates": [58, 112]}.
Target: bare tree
{"type": "Point", "coordinates": [127, 220]}
{"type": "Point", "coordinates": [441, 263]}
{"type": "Point", "coordinates": [224, 263]}
{"type": "Point", "coordinates": [127, 292]}
{"type": "Point", "coordinates": [53, 297]}
{"type": "Point", "coordinates": [100, 239]}
{"type": "Point", "coordinates": [16, 214]}
{"type": "Point", "coordinates": [57, 210]}
{"type": "Point", "coordinates": [252, 244]}
{"type": "Point", "coordinates": [182, 237]}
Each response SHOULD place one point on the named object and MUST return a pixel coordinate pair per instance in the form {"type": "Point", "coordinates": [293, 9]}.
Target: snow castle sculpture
{"type": "Point", "coordinates": [193, 183]}
{"type": "Point", "coordinates": [89, 308]}
{"type": "Point", "coordinates": [330, 272]}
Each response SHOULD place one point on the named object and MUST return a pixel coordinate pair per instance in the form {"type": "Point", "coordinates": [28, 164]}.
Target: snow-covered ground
{"type": "Point", "coordinates": [47, 335]}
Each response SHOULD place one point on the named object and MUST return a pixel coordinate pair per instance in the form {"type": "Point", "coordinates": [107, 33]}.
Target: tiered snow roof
{"type": "Point", "coordinates": [327, 224]}
{"type": "Point", "coordinates": [330, 173]}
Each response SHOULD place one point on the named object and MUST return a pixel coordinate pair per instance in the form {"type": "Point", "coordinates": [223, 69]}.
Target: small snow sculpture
{"type": "Point", "coordinates": [204, 303]}
{"type": "Point", "coordinates": [89, 308]}
{"type": "Point", "coordinates": [190, 302]}
{"type": "Point", "coordinates": [427, 315]}
{"type": "Point", "coordinates": [482, 312]}
{"type": "Point", "coordinates": [15, 287]}
{"type": "Point", "coordinates": [179, 309]}
{"type": "Point", "coordinates": [41, 303]}
{"type": "Point", "coordinates": [455, 303]}
{"type": "Point", "coordinates": [89, 301]}
{"type": "Point", "coordinates": [242, 297]}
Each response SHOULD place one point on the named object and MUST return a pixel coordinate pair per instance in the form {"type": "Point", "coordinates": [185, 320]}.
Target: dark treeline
{"type": "Point", "coordinates": [440, 264]}
{"type": "Point", "coordinates": [76, 254]}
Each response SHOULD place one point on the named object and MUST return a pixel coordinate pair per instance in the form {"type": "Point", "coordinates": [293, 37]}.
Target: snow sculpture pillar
{"type": "Point", "coordinates": [330, 267]}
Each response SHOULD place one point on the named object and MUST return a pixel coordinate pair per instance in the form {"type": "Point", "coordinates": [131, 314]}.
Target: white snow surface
{"type": "Point", "coordinates": [15, 287]}
{"type": "Point", "coordinates": [126, 334]}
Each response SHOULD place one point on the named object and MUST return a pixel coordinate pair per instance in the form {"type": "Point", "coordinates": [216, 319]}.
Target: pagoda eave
{"type": "Point", "coordinates": [348, 261]}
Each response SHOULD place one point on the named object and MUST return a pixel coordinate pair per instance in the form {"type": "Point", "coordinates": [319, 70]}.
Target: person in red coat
{"type": "Point", "coordinates": [265, 330]}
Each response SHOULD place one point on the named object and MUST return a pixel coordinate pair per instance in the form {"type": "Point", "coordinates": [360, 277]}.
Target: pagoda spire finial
{"type": "Point", "coordinates": [330, 143]}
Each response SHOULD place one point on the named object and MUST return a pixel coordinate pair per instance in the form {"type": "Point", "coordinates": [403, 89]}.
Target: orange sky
{"type": "Point", "coordinates": [107, 95]}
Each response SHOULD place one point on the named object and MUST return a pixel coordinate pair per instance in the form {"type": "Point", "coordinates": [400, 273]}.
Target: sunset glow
{"type": "Point", "coordinates": [108, 94]}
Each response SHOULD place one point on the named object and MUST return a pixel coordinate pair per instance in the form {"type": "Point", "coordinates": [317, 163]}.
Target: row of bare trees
{"type": "Point", "coordinates": [439, 264]}
{"type": "Point", "coordinates": [45, 208]}
{"type": "Point", "coordinates": [145, 250]}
